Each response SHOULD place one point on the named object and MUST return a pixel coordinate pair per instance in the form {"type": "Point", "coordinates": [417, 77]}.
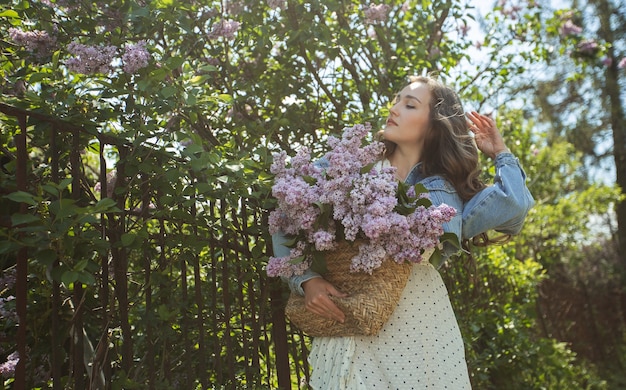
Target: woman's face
{"type": "Point", "coordinates": [409, 118]}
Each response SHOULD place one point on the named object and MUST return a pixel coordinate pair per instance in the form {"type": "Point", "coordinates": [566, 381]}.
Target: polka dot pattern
{"type": "Point", "coordinates": [420, 347]}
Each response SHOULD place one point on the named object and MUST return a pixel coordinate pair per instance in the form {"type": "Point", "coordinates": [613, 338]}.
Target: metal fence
{"type": "Point", "coordinates": [140, 298]}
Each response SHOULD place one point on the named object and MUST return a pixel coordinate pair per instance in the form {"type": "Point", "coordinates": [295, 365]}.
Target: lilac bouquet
{"type": "Point", "coordinates": [349, 195]}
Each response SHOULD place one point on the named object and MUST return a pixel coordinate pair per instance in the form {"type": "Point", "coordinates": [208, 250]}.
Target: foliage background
{"type": "Point", "coordinates": [147, 193]}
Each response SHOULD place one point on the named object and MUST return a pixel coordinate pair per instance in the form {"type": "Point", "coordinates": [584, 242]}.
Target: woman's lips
{"type": "Point", "coordinates": [390, 122]}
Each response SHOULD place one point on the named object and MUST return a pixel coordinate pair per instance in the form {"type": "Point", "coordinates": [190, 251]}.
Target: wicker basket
{"type": "Point", "coordinates": [371, 301]}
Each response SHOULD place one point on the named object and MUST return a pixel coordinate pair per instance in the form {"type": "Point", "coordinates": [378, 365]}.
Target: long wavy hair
{"type": "Point", "coordinates": [449, 149]}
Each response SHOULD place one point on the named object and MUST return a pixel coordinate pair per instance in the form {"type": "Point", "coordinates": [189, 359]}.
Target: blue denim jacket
{"type": "Point", "coordinates": [502, 207]}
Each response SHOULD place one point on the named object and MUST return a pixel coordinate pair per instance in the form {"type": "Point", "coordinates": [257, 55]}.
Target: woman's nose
{"type": "Point", "coordinates": [392, 110]}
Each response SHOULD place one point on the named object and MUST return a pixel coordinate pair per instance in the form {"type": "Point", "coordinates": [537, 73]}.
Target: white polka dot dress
{"type": "Point", "coordinates": [420, 347]}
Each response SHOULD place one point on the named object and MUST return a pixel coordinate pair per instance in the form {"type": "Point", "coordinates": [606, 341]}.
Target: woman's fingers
{"type": "Point", "coordinates": [479, 122]}
{"type": "Point", "coordinates": [317, 299]}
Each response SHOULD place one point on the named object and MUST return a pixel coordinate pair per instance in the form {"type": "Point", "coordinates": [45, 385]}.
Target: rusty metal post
{"type": "Point", "coordinates": [21, 290]}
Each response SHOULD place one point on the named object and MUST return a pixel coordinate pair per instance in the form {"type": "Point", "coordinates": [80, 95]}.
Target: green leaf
{"type": "Point", "coordinates": [46, 256]}
{"type": "Point", "coordinates": [423, 202]}
{"type": "Point", "coordinates": [436, 259]}
{"type": "Point", "coordinates": [164, 3]}
{"type": "Point", "coordinates": [297, 260]}
{"type": "Point", "coordinates": [51, 189]}
{"type": "Point", "coordinates": [420, 189]}
{"type": "Point", "coordinates": [37, 77]}
{"type": "Point", "coordinates": [165, 313]}
{"type": "Point", "coordinates": [106, 205]}
{"type": "Point", "coordinates": [9, 14]}
{"type": "Point", "coordinates": [81, 265]}
{"type": "Point", "coordinates": [319, 263]}
{"type": "Point", "coordinates": [69, 277]}
{"type": "Point", "coordinates": [128, 239]}
{"type": "Point", "coordinates": [8, 246]}
{"type": "Point", "coordinates": [19, 219]}
{"type": "Point", "coordinates": [63, 184]}
{"type": "Point", "coordinates": [367, 168]}
{"type": "Point", "coordinates": [63, 208]}
{"type": "Point", "coordinates": [226, 98]}
{"type": "Point", "coordinates": [310, 180]}
{"type": "Point", "coordinates": [174, 62]}
{"type": "Point", "coordinates": [168, 91]}
{"type": "Point", "coordinates": [86, 278]}
{"type": "Point", "coordinates": [450, 238]}
{"type": "Point", "coordinates": [23, 197]}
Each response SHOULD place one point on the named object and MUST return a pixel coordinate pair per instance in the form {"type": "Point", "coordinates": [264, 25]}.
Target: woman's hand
{"type": "Point", "coordinates": [317, 293]}
{"type": "Point", "coordinates": [487, 137]}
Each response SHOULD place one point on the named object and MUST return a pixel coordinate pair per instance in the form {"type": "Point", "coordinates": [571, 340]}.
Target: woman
{"type": "Point", "coordinates": [428, 141]}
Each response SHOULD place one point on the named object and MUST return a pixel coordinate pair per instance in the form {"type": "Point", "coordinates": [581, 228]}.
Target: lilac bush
{"type": "Point", "coordinates": [90, 59]}
{"type": "Point", "coordinates": [40, 43]}
{"type": "Point", "coordinates": [350, 197]}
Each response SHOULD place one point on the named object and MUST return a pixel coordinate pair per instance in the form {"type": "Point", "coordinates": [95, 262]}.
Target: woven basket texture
{"type": "Point", "coordinates": [371, 301]}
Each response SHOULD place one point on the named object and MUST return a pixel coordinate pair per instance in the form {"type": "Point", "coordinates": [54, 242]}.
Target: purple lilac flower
{"type": "Point", "coordinates": [323, 240]}
{"type": "Point", "coordinates": [40, 43]}
{"type": "Point", "coordinates": [235, 7]}
{"type": "Point", "coordinates": [273, 4]}
{"type": "Point", "coordinates": [464, 29]}
{"type": "Point", "coordinates": [8, 313]}
{"type": "Point", "coordinates": [8, 279]}
{"type": "Point", "coordinates": [7, 369]}
{"type": "Point", "coordinates": [90, 59]}
{"type": "Point", "coordinates": [369, 258]}
{"type": "Point", "coordinates": [569, 28]}
{"type": "Point", "coordinates": [376, 13]}
{"type": "Point", "coordinates": [111, 180]}
{"type": "Point", "coordinates": [135, 57]}
{"type": "Point", "coordinates": [224, 28]}
{"type": "Point", "coordinates": [362, 201]}
{"type": "Point", "coordinates": [588, 46]}
{"type": "Point", "coordinates": [622, 63]}
{"type": "Point", "coordinates": [284, 266]}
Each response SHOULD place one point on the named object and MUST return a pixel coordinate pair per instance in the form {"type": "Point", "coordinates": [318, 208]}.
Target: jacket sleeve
{"type": "Point", "coordinates": [502, 206]}
{"type": "Point", "coordinates": [440, 192]}
{"type": "Point", "coordinates": [280, 250]}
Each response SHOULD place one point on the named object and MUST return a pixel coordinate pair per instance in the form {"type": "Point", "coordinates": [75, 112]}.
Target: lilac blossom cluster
{"type": "Point", "coordinates": [352, 192]}
{"type": "Point", "coordinates": [40, 43]}
{"type": "Point", "coordinates": [135, 57]}
{"type": "Point", "coordinates": [8, 278]}
{"type": "Point", "coordinates": [588, 47]}
{"type": "Point", "coordinates": [376, 13]}
{"type": "Point", "coordinates": [274, 4]}
{"type": "Point", "coordinates": [569, 28]}
{"type": "Point", "coordinates": [98, 59]}
{"type": "Point", "coordinates": [7, 281]}
{"type": "Point", "coordinates": [90, 59]}
{"type": "Point", "coordinates": [224, 28]}
{"type": "Point", "coordinates": [110, 185]}
{"type": "Point", "coordinates": [7, 369]}
{"type": "Point", "coordinates": [8, 313]}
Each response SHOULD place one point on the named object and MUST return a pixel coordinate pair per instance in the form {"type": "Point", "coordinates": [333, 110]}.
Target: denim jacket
{"type": "Point", "coordinates": [502, 206]}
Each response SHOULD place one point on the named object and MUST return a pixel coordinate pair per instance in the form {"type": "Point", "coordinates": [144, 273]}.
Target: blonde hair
{"type": "Point", "coordinates": [449, 149]}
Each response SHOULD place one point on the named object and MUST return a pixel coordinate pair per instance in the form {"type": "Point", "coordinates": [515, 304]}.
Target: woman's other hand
{"type": "Point", "coordinates": [317, 293]}
{"type": "Point", "coordinates": [487, 137]}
